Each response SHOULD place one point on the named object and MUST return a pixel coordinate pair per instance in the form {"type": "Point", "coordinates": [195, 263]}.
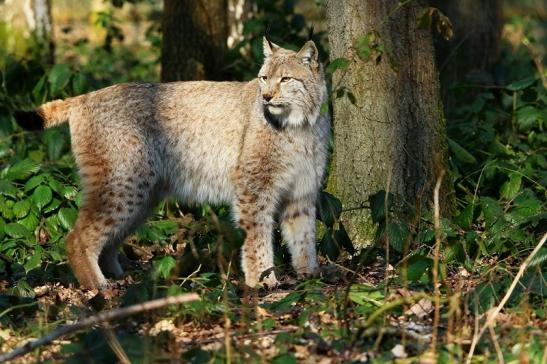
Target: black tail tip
{"type": "Point", "coordinates": [29, 120]}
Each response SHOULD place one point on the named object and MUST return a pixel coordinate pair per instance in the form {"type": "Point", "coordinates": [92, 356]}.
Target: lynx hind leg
{"type": "Point", "coordinates": [117, 196]}
{"type": "Point", "coordinates": [257, 256]}
{"type": "Point", "coordinates": [298, 230]}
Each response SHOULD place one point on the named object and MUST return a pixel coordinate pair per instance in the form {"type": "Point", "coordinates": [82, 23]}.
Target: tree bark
{"type": "Point", "coordinates": [194, 39]}
{"type": "Point", "coordinates": [39, 20]}
{"type": "Point", "coordinates": [392, 137]}
{"type": "Point", "coordinates": [470, 56]}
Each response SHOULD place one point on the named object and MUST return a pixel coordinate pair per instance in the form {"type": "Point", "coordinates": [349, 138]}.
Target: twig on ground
{"type": "Point", "coordinates": [494, 314]}
{"type": "Point", "coordinates": [99, 318]}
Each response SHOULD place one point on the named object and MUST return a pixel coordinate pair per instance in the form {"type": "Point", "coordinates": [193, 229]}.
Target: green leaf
{"type": "Point", "coordinates": [529, 117]}
{"type": "Point", "coordinates": [31, 222]}
{"type": "Point", "coordinates": [164, 265]}
{"type": "Point", "coordinates": [342, 239]}
{"type": "Point", "coordinates": [397, 234]}
{"type": "Point", "coordinates": [465, 217]}
{"type": "Point", "coordinates": [34, 181]}
{"type": "Point", "coordinates": [491, 210]}
{"type": "Point", "coordinates": [56, 142]}
{"type": "Point", "coordinates": [21, 208]}
{"type": "Point", "coordinates": [22, 170]}
{"type": "Point", "coordinates": [17, 231]}
{"type": "Point", "coordinates": [58, 77]}
{"type": "Point", "coordinates": [166, 226]}
{"type": "Point", "coordinates": [79, 83]}
{"type": "Point", "coordinates": [328, 246]}
{"type": "Point", "coordinates": [337, 64]}
{"type": "Point", "coordinates": [510, 188]}
{"type": "Point", "coordinates": [416, 266]}
{"type": "Point", "coordinates": [378, 205]}
{"type": "Point", "coordinates": [460, 153]}
{"type": "Point", "coordinates": [67, 217]}
{"type": "Point", "coordinates": [330, 208]}
{"type": "Point", "coordinates": [39, 91]}
{"type": "Point", "coordinates": [35, 260]}
{"type": "Point", "coordinates": [41, 196]}
{"type": "Point", "coordinates": [522, 84]}
{"type": "Point", "coordinates": [7, 189]}
{"type": "Point", "coordinates": [366, 295]}
{"type": "Point", "coordinates": [52, 206]}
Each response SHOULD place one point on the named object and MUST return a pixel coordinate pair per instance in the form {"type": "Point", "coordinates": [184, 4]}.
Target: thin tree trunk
{"type": "Point", "coordinates": [194, 39]}
{"type": "Point", "coordinates": [39, 20]}
{"type": "Point", "coordinates": [393, 137]}
{"type": "Point", "coordinates": [470, 56]}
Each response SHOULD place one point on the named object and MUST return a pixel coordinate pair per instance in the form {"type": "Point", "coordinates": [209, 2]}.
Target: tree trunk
{"type": "Point", "coordinates": [470, 56]}
{"type": "Point", "coordinates": [38, 17]}
{"type": "Point", "coordinates": [194, 39]}
{"type": "Point", "coordinates": [391, 135]}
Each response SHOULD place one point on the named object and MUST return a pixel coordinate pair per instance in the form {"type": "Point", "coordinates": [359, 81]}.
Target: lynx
{"type": "Point", "coordinates": [260, 146]}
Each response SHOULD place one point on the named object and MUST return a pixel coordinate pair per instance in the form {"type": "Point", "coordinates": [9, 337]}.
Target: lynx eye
{"type": "Point", "coordinates": [264, 78]}
{"type": "Point", "coordinates": [286, 79]}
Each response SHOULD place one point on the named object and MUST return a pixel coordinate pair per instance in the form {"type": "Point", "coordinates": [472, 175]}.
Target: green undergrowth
{"type": "Point", "coordinates": [364, 306]}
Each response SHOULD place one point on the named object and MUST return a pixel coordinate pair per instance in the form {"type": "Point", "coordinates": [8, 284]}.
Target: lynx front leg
{"type": "Point", "coordinates": [257, 258]}
{"type": "Point", "coordinates": [298, 229]}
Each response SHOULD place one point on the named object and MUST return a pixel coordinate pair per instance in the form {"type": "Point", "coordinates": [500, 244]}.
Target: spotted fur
{"type": "Point", "coordinates": [260, 146]}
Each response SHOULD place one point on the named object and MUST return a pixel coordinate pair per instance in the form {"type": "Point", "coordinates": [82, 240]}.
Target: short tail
{"type": "Point", "coordinates": [46, 116]}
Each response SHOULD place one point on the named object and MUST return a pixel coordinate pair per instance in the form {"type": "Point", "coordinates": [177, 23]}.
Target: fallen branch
{"type": "Point", "coordinates": [111, 315]}
{"type": "Point", "coordinates": [493, 314]}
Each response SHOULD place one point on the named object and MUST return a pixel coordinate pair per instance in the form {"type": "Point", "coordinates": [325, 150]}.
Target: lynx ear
{"type": "Point", "coordinates": [269, 47]}
{"type": "Point", "coordinates": [308, 53]}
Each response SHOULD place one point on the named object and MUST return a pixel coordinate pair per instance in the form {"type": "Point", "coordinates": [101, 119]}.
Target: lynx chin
{"type": "Point", "coordinates": [260, 146]}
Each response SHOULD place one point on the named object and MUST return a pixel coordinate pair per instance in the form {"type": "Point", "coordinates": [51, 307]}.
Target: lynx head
{"type": "Point", "coordinates": [292, 85]}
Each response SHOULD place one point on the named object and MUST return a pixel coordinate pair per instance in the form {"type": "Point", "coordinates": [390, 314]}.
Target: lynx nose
{"type": "Point", "coordinates": [267, 97]}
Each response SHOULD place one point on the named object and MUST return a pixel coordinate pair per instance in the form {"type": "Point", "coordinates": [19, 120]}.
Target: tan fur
{"type": "Point", "coordinates": [260, 146]}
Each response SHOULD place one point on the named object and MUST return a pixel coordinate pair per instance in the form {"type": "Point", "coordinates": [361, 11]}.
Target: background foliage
{"type": "Point", "coordinates": [498, 165]}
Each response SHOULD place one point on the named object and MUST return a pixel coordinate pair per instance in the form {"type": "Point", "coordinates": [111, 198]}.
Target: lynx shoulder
{"type": "Point", "coordinates": [260, 146]}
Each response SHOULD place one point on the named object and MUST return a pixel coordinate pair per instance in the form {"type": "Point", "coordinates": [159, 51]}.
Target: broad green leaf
{"type": "Point", "coordinates": [2, 228]}
{"type": "Point", "coordinates": [58, 77]}
{"type": "Point", "coordinates": [79, 83]}
{"type": "Point", "coordinates": [35, 260]}
{"type": "Point", "coordinates": [337, 64]}
{"type": "Point", "coordinates": [521, 84]}
{"type": "Point", "coordinates": [397, 233]}
{"type": "Point", "coordinates": [39, 91]}
{"type": "Point", "coordinates": [7, 189]}
{"type": "Point", "coordinates": [67, 217]}
{"type": "Point", "coordinates": [6, 208]}
{"type": "Point", "coordinates": [34, 181]}
{"type": "Point", "coordinates": [21, 208]}
{"type": "Point", "coordinates": [378, 206]}
{"type": "Point", "coordinates": [416, 266]}
{"type": "Point", "coordinates": [342, 239]}
{"type": "Point", "coordinates": [491, 210]}
{"type": "Point", "coordinates": [69, 192]}
{"type": "Point", "coordinates": [31, 222]}
{"type": "Point", "coordinates": [22, 170]}
{"type": "Point", "coordinates": [529, 116]}
{"type": "Point", "coordinates": [330, 208]}
{"type": "Point", "coordinates": [17, 231]}
{"type": "Point", "coordinates": [461, 154]}
{"type": "Point", "coordinates": [164, 265]}
{"type": "Point", "coordinates": [364, 294]}
{"type": "Point", "coordinates": [42, 196]}
{"type": "Point", "coordinates": [56, 142]}
{"type": "Point", "coordinates": [510, 188]}
{"type": "Point", "coordinates": [328, 245]}
{"type": "Point", "coordinates": [166, 226]}
{"type": "Point", "coordinates": [465, 217]}
{"type": "Point", "coordinates": [52, 206]}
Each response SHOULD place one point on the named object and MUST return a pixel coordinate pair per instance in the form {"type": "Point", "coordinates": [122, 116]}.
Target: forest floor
{"type": "Point", "coordinates": [345, 316]}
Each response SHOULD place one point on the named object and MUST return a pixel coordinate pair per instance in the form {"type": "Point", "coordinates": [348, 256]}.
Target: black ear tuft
{"type": "Point", "coordinates": [29, 120]}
